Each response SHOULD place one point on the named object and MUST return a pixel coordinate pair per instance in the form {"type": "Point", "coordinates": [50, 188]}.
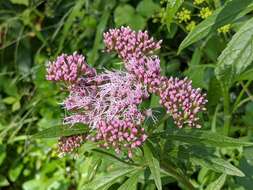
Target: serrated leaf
{"type": "Point", "coordinates": [108, 178]}
{"type": "Point", "coordinates": [171, 9]}
{"type": "Point", "coordinates": [229, 13]}
{"type": "Point", "coordinates": [131, 183]}
{"type": "Point", "coordinates": [218, 165]}
{"type": "Point", "coordinates": [237, 56]}
{"type": "Point", "coordinates": [58, 131]}
{"type": "Point", "coordinates": [154, 166]}
{"type": "Point", "coordinates": [218, 183]}
{"type": "Point", "coordinates": [196, 136]}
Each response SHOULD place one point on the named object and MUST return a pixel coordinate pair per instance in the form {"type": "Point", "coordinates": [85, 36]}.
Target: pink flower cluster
{"type": "Point", "coordinates": [130, 44]}
{"type": "Point", "coordinates": [68, 144]}
{"type": "Point", "coordinates": [119, 134]}
{"type": "Point", "coordinates": [182, 101]}
{"type": "Point", "coordinates": [108, 102]}
{"type": "Point", "coordinates": [68, 68]}
{"type": "Point", "coordinates": [147, 70]}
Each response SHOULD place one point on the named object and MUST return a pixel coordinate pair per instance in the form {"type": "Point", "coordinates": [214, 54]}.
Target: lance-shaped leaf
{"type": "Point", "coordinates": [218, 183]}
{"type": "Point", "coordinates": [131, 183]}
{"type": "Point", "coordinates": [198, 137]}
{"type": "Point", "coordinates": [218, 165]}
{"type": "Point", "coordinates": [237, 56]}
{"type": "Point", "coordinates": [171, 9]}
{"type": "Point", "coordinates": [107, 179]}
{"type": "Point", "coordinates": [154, 166]}
{"type": "Point", "coordinates": [229, 13]}
{"type": "Point", "coordinates": [58, 131]}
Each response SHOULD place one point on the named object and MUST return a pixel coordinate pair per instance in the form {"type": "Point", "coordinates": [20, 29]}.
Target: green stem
{"type": "Point", "coordinates": [227, 115]}
{"type": "Point", "coordinates": [170, 170]}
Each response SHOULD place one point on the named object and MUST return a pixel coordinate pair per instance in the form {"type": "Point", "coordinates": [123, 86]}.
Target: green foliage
{"type": "Point", "coordinates": [217, 156]}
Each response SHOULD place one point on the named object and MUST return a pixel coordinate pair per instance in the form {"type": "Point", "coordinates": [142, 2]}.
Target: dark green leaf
{"type": "Point", "coordinates": [196, 136]}
{"type": "Point", "coordinates": [229, 13]}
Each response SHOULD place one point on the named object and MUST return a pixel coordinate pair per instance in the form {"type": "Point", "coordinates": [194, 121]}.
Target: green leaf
{"type": "Point", "coordinates": [76, 11]}
{"type": "Point", "coordinates": [3, 181]}
{"type": "Point", "coordinates": [171, 9]}
{"type": "Point", "coordinates": [218, 165]}
{"type": "Point", "coordinates": [99, 34]}
{"type": "Point", "coordinates": [196, 136]}
{"type": "Point", "coordinates": [15, 171]}
{"type": "Point", "coordinates": [237, 56]}
{"type": "Point", "coordinates": [154, 166]}
{"type": "Point", "coordinates": [229, 13]}
{"type": "Point", "coordinates": [108, 178]}
{"type": "Point", "coordinates": [58, 131]}
{"type": "Point", "coordinates": [2, 153]}
{"type": "Point", "coordinates": [9, 100]}
{"type": "Point", "coordinates": [131, 183]}
{"type": "Point", "coordinates": [247, 75]}
{"type": "Point", "coordinates": [126, 15]}
{"type": "Point", "coordinates": [21, 2]}
{"type": "Point", "coordinates": [16, 106]}
{"type": "Point", "coordinates": [147, 8]}
{"type": "Point", "coordinates": [218, 183]}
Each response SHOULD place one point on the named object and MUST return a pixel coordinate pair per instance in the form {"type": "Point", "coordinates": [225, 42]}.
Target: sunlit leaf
{"type": "Point", "coordinates": [218, 183]}
{"type": "Point", "coordinates": [237, 56]}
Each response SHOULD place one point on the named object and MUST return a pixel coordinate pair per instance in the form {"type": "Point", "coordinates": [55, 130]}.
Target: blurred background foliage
{"type": "Point", "coordinates": [32, 32]}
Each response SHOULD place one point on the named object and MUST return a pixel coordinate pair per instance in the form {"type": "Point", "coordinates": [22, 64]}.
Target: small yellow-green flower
{"type": "Point", "coordinates": [191, 26]}
{"type": "Point", "coordinates": [184, 15]}
{"type": "Point", "coordinates": [224, 29]}
{"type": "Point", "coordinates": [198, 2]}
{"type": "Point", "coordinates": [205, 12]}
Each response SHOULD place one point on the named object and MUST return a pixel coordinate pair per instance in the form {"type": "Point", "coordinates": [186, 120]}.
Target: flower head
{"type": "Point", "coordinates": [224, 29]}
{"type": "Point", "coordinates": [182, 101]}
{"type": "Point", "coordinates": [191, 26]}
{"type": "Point", "coordinates": [205, 12]}
{"type": "Point", "coordinates": [130, 44]}
{"type": "Point", "coordinates": [184, 15]}
{"type": "Point", "coordinates": [68, 144]}
{"type": "Point", "coordinates": [68, 68]}
{"type": "Point", "coordinates": [119, 134]}
{"type": "Point", "coordinates": [147, 70]}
